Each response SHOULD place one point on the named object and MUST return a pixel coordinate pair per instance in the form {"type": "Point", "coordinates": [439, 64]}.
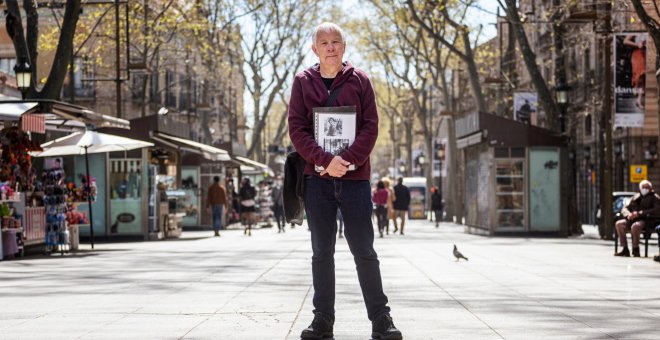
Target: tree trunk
{"type": "Point", "coordinates": [473, 71]}
{"type": "Point", "coordinates": [32, 36]}
{"type": "Point", "coordinates": [53, 87]}
{"type": "Point", "coordinates": [544, 94]}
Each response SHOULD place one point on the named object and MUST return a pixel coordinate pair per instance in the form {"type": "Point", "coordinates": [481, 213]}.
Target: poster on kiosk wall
{"type": "Point", "coordinates": [629, 79]}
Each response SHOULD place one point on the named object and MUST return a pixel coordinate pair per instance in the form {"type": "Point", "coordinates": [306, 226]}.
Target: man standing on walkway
{"type": "Point", "coordinates": [401, 203]}
{"type": "Point", "coordinates": [337, 187]}
{"type": "Point", "coordinates": [216, 200]}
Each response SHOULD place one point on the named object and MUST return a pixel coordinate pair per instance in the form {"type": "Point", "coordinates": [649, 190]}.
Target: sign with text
{"type": "Point", "coordinates": [629, 79]}
{"type": "Point", "coordinates": [638, 173]}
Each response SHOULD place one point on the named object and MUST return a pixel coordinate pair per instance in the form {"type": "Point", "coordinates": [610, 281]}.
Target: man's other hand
{"type": "Point", "coordinates": [337, 167]}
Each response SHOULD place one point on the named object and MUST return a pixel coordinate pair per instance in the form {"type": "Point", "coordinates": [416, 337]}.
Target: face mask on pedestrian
{"type": "Point", "coordinates": [644, 191]}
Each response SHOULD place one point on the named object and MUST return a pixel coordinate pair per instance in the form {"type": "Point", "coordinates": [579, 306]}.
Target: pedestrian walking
{"type": "Point", "coordinates": [247, 196]}
{"type": "Point", "coordinates": [390, 204]}
{"type": "Point", "coordinates": [278, 204]}
{"type": "Point", "coordinates": [340, 223]}
{"type": "Point", "coordinates": [401, 203]}
{"type": "Point", "coordinates": [217, 203]}
{"type": "Point", "coordinates": [334, 82]}
{"type": "Point", "coordinates": [379, 197]}
{"type": "Point", "coordinates": [436, 205]}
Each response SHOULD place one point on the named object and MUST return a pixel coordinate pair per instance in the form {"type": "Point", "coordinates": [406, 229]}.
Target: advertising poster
{"type": "Point", "coordinates": [525, 106]}
{"type": "Point", "coordinates": [629, 79]}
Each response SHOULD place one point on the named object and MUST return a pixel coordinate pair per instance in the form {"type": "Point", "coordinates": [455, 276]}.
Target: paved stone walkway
{"type": "Point", "coordinates": [259, 287]}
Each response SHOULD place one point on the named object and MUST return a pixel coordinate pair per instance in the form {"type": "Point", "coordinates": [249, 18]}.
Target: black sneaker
{"type": "Point", "coordinates": [383, 328]}
{"type": "Point", "coordinates": [656, 258]}
{"type": "Point", "coordinates": [320, 328]}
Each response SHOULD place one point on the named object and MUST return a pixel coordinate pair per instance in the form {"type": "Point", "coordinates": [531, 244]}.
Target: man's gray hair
{"type": "Point", "coordinates": [328, 27]}
{"type": "Point", "coordinates": [645, 182]}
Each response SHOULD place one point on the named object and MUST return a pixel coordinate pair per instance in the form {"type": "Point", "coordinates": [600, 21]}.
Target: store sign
{"type": "Point", "coordinates": [126, 218]}
{"type": "Point", "coordinates": [638, 173]}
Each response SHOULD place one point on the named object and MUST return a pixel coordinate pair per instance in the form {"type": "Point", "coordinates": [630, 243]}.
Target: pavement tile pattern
{"type": "Point", "coordinates": [259, 287]}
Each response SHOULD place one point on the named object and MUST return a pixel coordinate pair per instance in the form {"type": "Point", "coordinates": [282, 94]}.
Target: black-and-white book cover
{"type": "Point", "coordinates": [334, 129]}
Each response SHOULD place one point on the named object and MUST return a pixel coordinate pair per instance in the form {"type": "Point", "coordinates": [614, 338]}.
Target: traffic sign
{"type": "Point", "coordinates": [638, 173]}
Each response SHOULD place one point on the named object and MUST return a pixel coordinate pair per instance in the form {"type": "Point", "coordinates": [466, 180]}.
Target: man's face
{"type": "Point", "coordinates": [329, 48]}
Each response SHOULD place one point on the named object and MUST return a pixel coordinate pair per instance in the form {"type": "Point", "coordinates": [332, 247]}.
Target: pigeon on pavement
{"type": "Point", "coordinates": [458, 255]}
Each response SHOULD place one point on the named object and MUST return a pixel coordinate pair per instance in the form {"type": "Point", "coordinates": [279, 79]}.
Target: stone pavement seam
{"type": "Point", "coordinates": [123, 316]}
{"type": "Point", "coordinates": [298, 312]}
{"type": "Point", "coordinates": [193, 328]}
{"type": "Point", "coordinates": [449, 294]}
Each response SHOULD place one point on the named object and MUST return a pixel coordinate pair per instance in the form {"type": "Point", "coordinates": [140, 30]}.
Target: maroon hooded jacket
{"type": "Point", "coordinates": [309, 91]}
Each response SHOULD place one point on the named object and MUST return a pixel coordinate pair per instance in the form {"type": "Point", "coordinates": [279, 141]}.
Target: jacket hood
{"type": "Point", "coordinates": [344, 74]}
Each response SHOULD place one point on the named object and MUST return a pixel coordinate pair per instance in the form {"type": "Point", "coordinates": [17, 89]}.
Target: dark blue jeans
{"type": "Point", "coordinates": [217, 216]}
{"type": "Point", "coordinates": [322, 199]}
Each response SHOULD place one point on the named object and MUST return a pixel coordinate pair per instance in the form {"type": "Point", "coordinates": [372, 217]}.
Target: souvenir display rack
{"type": "Point", "coordinates": [55, 200]}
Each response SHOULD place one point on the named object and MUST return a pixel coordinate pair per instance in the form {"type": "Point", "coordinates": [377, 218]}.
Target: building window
{"type": "Point", "coordinates": [137, 86]}
{"type": "Point", "coordinates": [154, 88]}
{"type": "Point", "coordinates": [170, 90]}
{"type": "Point", "coordinates": [83, 78]}
{"type": "Point", "coordinates": [183, 93]}
{"type": "Point", "coordinates": [587, 125]}
{"type": "Point", "coordinates": [7, 65]}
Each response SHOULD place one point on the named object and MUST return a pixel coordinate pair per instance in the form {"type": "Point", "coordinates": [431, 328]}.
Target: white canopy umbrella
{"type": "Point", "coordinates": [84, 143]}
{"type": "Point", "coordinates": [79, 143]}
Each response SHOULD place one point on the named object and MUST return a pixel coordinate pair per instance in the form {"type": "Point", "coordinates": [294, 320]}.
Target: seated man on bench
{"type": "Point", "coordinates": [642, 207]}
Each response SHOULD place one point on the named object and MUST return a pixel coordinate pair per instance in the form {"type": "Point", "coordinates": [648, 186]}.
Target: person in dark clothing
{"type": "Point", "coordinates": [379, 197]}
{"type": "Point", "coordinates": [278, 204]}
{"type": "Point", "coordinates": [436, 205]}
{"type": "Point", "coordinates": [336, 187]}
{"type": "Point", "coordinates": [643, 208]}
{"type": "Point", "coordinates": [401, 203]}
{"type": "Point", "coordinates": [247, 196]}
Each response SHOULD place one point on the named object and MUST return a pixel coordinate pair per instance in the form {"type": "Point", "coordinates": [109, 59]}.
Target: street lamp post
{"type": "Point", "coordinates": [561, 96]}
{"type": "Point", "coordinates": [23, 77]}
{"type": "Point", "coordinates": [421, 160]}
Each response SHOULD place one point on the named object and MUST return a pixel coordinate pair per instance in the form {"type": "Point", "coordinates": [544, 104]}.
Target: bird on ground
{"type": "Point", "coordinates": [458, 255]}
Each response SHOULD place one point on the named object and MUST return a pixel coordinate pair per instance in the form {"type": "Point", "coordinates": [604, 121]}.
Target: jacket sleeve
{"type": "Point", "coordinates": [301, 129]}
{"type": "Point", "coordinates": [632, 206]}
{"type": "Point", "coordinates": [365, 139]}
{"type": "Point", "coordinates": [655, 211]}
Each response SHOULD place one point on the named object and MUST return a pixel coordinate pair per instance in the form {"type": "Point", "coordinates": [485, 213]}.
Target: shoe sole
{"type": "Point", "coordinates": [315, 337]}
{"type": "Point", "coordinates": [390, 337]}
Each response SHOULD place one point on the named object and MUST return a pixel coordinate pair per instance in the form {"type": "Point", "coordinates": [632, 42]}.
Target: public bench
{"type": "Point", "coordinates": [649, 230]}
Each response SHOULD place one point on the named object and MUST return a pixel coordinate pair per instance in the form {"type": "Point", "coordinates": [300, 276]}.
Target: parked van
{"type": "Point", "coordinates": [417, 187]}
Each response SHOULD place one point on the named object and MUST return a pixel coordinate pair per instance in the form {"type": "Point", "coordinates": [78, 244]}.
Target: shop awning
{"type": "Point", "coordinates": [250, 162]}
{"type": "Point", "coordinates": [207, 151]}
{"type": "Point", "coordinates": [14, 111]}
{"type": "Point", "coordinates": [59, 115]}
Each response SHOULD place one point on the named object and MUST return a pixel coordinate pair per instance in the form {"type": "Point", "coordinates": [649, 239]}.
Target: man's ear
{"type": "Point", "coordinates": [314, 49]}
